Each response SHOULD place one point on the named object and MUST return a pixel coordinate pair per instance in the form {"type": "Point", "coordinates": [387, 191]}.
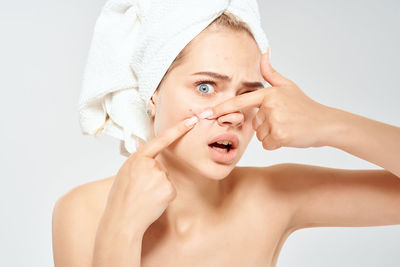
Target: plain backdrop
{"type": "Point", "coordinates": [343, 54]}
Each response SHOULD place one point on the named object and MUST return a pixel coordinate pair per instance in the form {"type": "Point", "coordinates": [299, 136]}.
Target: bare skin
{"type": "Point", "coordinates": [258, 215]}
{"type": "Point", "coordinates": [248, 227]}
{"type": "Point", "coordinates": [221, 214]}
{"type": "Point", "coordinates": [248, 221]}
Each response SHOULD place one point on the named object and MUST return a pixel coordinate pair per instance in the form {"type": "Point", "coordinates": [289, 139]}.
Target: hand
{"type": "Point", "coordinates": [286, 116]}
{"type": "Point", "coordinates": [142, 190]}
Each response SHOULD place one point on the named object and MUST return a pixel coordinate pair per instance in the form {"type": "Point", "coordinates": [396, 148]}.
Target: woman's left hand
{"type": "Point", "coordinates": [286, 116]}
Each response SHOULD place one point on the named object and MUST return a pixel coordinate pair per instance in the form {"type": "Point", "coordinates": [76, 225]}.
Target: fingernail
{"type": "Point", "coordinates": [191, 121]}
{"type": "Point", "coordinates": [206, 114]}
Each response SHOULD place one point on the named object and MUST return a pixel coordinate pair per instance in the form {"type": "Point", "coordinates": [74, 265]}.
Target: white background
{"type": "Point", "coordinates": [342, 54]}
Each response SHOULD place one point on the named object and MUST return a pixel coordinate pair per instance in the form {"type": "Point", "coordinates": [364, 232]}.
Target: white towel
{"type": "Point", "coordinates": [133, 44]}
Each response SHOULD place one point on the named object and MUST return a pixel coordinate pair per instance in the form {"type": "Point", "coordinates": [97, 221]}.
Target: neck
{"type": "Point", "coordinates": [198, 197]}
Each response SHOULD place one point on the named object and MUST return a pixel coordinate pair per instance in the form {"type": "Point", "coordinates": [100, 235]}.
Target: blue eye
{"type": "Point", "coordinates": [204, 88]}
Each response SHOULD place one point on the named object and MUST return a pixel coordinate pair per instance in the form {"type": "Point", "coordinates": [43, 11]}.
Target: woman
{"type": "Point", "coordinates": [181, 201]}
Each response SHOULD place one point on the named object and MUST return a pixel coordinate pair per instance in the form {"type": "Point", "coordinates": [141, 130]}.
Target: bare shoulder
{"type": "Point", "coordinates": [90, 196]}
{"type": "Point", "coordinates": [282, 181]}
{"type": "Point", "coordinates": [76, 215]}
{"type": "Point", "coordinates": [270, 189]}
{"type": "Point", "coordinates": [316, 196]}
{"type": "Point", "coordinates": [273, 178]}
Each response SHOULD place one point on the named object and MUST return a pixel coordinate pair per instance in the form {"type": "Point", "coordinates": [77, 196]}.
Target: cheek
{"type": "Point", "coordinates": [184, 111]}
{"type": "Point", "coordinates": [172, 114]}
{"type": "Point", "coordinates": [197, 109]}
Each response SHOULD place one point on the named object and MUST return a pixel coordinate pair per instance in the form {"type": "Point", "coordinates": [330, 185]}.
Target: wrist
{"type": "Point", "coordinates": [336, 127]}
{"type": "Point", "coordinates": [114, 226]}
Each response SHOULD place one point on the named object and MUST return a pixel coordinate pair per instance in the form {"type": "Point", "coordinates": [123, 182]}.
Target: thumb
{"type": "Point", "coordinates": [273, 77]}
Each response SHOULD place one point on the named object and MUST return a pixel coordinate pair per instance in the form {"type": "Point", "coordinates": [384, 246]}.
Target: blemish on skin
{"type": "Point", "coordinates": [191, 112]}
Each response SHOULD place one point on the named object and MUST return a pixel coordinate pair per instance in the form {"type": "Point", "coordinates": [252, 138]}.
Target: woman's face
{"type": "Point", "coordinates": [183, 94]}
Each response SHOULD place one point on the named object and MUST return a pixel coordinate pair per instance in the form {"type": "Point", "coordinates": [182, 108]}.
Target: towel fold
{"type": "Point", "coordinates": [133, 44]}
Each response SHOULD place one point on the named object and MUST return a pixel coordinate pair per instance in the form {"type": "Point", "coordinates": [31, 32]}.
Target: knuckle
{"type": "Point", "coordinates": [170, 191]}
{"type": "Point", "coordinates": [259, 137]}
{"type": "Point", "coordinates": [274, 133]}
{"type": "Point", "coordinates": [258, 134]}
{"type": "Point", "coordinates": [171, 188]}
{"type": "Point", "coordinates": [270, 144]}
{"type": "Point", "coordinates": [278, 134]}
{"type": "Point", "coordinates": [265, 144]}
{"type": "Point", "coordinates": [262, 132]}
{"type": "Point", "coordinates": [275, 117]}
{"type": "Point", "coordinates": [254, 124]}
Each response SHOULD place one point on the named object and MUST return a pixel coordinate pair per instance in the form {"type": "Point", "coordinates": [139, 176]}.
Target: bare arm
{"type": "Point", "coordinates": [117, 244]}
{"type": "Point", "coordinates": [86, 235]}
{"type": "Point", "coordinates": [330, 197]}
{"type": "Point", "coordinates": [371, 140]}
{"type": "Point", "coordinates": [287, 117]}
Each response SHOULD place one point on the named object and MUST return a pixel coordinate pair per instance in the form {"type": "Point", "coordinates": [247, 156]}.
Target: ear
{"type": "Point", "coordinates": [151, 105]}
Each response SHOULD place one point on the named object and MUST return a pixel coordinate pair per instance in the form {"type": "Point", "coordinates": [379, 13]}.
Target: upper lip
{"type": "Point", "coordinates": [233, 138]}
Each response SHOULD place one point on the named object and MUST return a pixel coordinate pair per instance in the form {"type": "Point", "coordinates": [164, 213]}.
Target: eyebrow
{"type": "Point", "coordinates": [227, 78]}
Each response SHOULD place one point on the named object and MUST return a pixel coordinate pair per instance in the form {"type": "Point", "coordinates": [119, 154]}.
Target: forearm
{"type": "Point", "coordinates": [371, 140]}
{"type": "Point", "coordinates": [117, 245]}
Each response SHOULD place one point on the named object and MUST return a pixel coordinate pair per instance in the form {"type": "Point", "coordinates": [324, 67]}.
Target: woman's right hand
{"type": "Point", "coordinates": [142, 190]}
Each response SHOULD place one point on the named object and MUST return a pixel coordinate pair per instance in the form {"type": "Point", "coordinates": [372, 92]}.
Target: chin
{"type": "Point", "coordinates": [211, 171]}
{"type": "Point", "coordinates": [203, 164]}
{"type": "Point", "coordinates": [214, 171]}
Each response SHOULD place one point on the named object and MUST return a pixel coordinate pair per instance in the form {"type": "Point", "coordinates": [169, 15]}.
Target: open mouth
{"type": "Point", "coordinates": [223, 153]}
{"type": "Point", "coordinates": [224, 142]}
{"type": "Point", "coordinates": [221, 146]}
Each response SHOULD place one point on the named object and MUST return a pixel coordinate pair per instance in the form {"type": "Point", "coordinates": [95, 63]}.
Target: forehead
{"type": "Point", "coordinates": [234, 53]}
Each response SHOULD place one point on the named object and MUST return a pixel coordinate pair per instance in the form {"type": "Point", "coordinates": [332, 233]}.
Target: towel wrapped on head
{"type": "Point", "coordinates": [133, 45]}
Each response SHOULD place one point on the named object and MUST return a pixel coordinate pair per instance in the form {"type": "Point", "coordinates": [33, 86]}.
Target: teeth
{"type": "Point", "coordinates": [225, 142]}
{"type": "Point", "coordinates": [220, 149]}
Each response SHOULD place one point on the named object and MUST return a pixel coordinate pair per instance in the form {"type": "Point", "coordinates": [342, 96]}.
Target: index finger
{"type": "Point", "coordinates": [163, 140]}
{"type": "Point", "coordinates": [253, 99]}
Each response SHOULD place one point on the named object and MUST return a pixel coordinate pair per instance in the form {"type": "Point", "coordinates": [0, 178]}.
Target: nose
{"type": "Point", "coordinates": [234, 119]}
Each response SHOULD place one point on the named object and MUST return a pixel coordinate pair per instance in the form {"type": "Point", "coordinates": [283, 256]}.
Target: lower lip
{"type": "Point", "coordinates": [224, 157]}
